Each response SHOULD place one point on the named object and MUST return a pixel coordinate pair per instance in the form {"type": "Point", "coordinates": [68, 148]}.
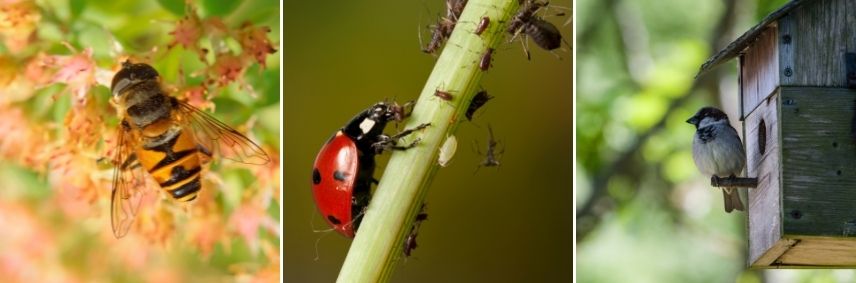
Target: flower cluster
{"type": "Point", "coordinates": [58, 127]}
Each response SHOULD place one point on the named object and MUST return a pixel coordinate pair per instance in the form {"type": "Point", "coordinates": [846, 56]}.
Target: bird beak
{"type": "Point", "coordinates": [693, 120]}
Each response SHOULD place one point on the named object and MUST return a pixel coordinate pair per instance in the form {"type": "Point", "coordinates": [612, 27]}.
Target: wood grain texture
{"type": "Point", "coordinates": [765, 220]}
{"type": "Point", "coordinates": [760, 70]}
{"type": "Point", "coordinates": [786, 50]}
{"type": "Point", "coordinates": [818, 161]}
{"type": "Point", "coordinates": [821, 36]}
{"type": "Point", "coordinates": [820, 252]}
{"type": "Point", "coordinates": [771, 256]}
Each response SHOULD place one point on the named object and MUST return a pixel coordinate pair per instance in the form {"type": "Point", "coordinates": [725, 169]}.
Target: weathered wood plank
{"type": "Point", "coordinates": [850, 24]}
{"type": "Point", "coordinates": [786, 50]}
{"type": "Point", "coordinates": [818, 161]}
{"type": "Point", "coordinates": [759, 72]}
{"type": "Point", "coordinates": [820, 39]}
{"type": "Point", "coordinates": [738, 45]}
{"type": "Point", "coordinates": [763, 155]}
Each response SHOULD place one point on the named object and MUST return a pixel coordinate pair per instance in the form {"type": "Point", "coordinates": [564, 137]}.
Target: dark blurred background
{"type": "Point", "coordinates": [511, 224]}
{"type": "Point", "coordinates": [642, 206]}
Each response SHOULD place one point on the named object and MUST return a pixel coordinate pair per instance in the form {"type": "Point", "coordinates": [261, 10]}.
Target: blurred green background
{"type": "Point", "coordinates": [512, 224]}
{"type": "Point", "coordinates": [642, 206]}
{"type": "Point", "coordinates": [56, 231]}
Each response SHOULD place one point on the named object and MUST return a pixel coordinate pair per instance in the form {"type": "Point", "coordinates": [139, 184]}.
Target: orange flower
{"type": "Point", "coordinates": [17, 24]}
{"type": "Point", "coordinates": [255, 42]}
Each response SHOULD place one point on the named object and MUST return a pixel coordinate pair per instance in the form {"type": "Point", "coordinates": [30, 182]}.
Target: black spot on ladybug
{"type": "Point", "coordinates": [339, 176]}
{"type": "Point", "coordinates": [333, 220]}
{"type": "Point", "coordinates": [316, 176]}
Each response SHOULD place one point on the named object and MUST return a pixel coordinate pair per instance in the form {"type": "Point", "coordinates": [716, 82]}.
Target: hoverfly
{"type": "Point", "coordinates": [167, 138]}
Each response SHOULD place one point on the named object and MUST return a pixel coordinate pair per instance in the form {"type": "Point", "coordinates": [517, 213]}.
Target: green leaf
{"type": "Point", "coordinates": [173, 6]}
{"type": "Point", "coordinates": [219, 8]}
{"type": "Point", "coordinates": [77, 7]}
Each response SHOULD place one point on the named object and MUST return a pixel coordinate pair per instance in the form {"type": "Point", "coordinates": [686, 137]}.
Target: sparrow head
{"type": "Point", "coordinates": [707, 116]}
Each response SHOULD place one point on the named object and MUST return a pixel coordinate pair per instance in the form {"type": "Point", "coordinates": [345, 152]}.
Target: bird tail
{"type": "Point", "coordinates": [732, 200]}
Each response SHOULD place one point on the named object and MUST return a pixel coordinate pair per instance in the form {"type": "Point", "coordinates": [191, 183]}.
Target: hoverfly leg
{"type": "Point", "coordinates": [130, 163]}
{"type": "Point", "coordinates": [204, 150]}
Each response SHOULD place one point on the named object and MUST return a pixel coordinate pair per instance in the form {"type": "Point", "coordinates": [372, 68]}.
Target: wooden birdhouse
{"type": "Point", "coordinates": [797, 100]}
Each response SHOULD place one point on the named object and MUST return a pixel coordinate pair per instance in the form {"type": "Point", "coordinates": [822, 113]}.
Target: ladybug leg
{"type": "Point", "coordinates": [387, 143]}
{"type": "Point", "coordinates": [391, 142]}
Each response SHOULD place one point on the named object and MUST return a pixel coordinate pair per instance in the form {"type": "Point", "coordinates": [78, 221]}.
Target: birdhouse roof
{"type": "Point", "coordinates": [737, 46]}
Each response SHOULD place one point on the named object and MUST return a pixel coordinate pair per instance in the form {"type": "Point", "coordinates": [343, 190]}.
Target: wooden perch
{"type": "Point", "coordinates": [734, 182]}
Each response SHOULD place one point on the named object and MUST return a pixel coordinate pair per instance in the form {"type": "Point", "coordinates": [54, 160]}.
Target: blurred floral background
{"type": "Point", "coordinates": [57, 140]}
{"type": "Point", "coordinates": [506, 224]}
{"type": "Point", "coordinates": [642, 206]}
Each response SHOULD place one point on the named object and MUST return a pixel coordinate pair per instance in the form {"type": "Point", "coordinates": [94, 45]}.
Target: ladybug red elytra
{"type": "Point", "coordinates": [344, 168]}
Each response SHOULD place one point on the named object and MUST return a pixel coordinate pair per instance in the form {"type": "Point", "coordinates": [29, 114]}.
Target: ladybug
{"type": "Point", "coordinates": [343, 171]}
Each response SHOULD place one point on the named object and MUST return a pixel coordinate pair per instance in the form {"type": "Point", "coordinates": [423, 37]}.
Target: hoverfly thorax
{"type": "Point", "coordinates": [136, 89]}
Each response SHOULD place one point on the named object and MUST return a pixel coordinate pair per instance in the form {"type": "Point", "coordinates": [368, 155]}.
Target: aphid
{"type": "Point", "coordinates": [478, 101]}
{"type": "Point", "coordinates": [400, 111]}
{"type": "Point", "coordinates": [344, 167]}
{"type": "Point", "coordinates": [445, 25]}
{"type": "Point", "coordinates": [526, 11]}
{"type": "Point", "coordinates": [410, 242]}
{"type": "Point", "coordinates": [441, 32]}
{"type": "Point", "coordinates": [443, 95]}
{"type": "Point", "coordinates": [484, 64]}
{"type": "Point", "coordinates": [454, 8]}
{"type": "Point", "coordinates": [482, 26]}
{"type": "Point", "coordinates": [447, 150]}
{"type": "Point", "coordinates": [542, 32]}
{"type": "Point", "coordinates": [167, 138]}
{"type": "Point", "coordinates": [491, 156]}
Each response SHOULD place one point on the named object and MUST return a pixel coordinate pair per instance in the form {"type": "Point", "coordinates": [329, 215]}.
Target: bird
{"type": "Point", "coordinates": [718, 151]}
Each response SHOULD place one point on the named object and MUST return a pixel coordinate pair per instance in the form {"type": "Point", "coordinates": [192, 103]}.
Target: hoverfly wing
{"type": "Point", "coordinates": [128, 184]}
{"type": "Point", "coordinates": [215, 137]}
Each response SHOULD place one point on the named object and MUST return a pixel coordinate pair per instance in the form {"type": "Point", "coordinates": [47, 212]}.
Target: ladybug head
{"type": "Point", "coordinates": [371, 122]}
{"type": "Point", "coordinates": [383, 112]}
{"type": "Point", "coordinates": [132, 74]}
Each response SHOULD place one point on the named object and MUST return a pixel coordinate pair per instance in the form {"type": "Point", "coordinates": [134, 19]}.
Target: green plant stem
{"type": "Point", "coordinates": [387, 222]}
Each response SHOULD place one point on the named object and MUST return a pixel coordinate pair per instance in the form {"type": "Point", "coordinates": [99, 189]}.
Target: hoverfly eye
{"type": "Point", "coordinates": [131, 74]}
{"type": "Point", "coordinates": [120, 85]}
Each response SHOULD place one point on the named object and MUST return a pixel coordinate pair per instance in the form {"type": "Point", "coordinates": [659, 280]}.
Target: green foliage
{"type": "Point", "coordinates": [174, 6]}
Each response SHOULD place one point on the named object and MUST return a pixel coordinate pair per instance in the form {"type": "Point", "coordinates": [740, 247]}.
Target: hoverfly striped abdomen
{"type": "Point", "coordinates": [171, 158]}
